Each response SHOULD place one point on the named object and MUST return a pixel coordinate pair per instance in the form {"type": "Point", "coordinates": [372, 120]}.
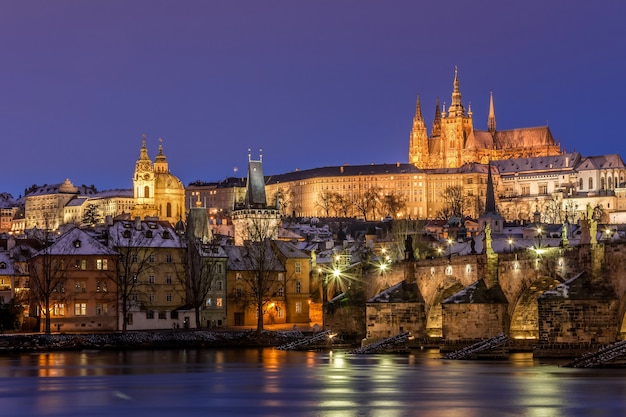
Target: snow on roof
{"type": "Point", "coordinates": [145, 234]}
{"type": "Point", "coordinates": [76, 242]}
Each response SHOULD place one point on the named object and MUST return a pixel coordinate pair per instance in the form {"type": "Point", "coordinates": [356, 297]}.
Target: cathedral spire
{"type": "Point", "coordinates": [436, 131]}
{"type": "Point", "coordinates": [491, 123]}
{"type": "Point", "coordinates": [418, 111]}
{"type": "Point", "coordinates": [456, 107]}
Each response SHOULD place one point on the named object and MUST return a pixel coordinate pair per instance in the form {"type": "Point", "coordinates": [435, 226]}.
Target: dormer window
{"type": "Point", "coordinates": [3, 265]}
{"type": "Point", "coordinates": [126, 234]}
{"type": "Point", "coordinates": [149, 233]}
{"type": "Point", "coordinates": [77, 243]}
{"type": "Point", "coordinates": [166, 235]}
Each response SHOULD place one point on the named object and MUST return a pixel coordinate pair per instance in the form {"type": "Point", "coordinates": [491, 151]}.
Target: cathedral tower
{"type": "Point", "coordinates": [418, 147]}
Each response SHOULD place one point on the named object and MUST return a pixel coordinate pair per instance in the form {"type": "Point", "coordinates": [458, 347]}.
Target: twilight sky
{"type": "Point", "coordinates": [312, 83]}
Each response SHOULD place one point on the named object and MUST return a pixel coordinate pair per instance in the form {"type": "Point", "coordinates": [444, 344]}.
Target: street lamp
{"type": "Point", "coordinates": [539, 235]}
{"type": "Point", "coordinates": [510, 245]}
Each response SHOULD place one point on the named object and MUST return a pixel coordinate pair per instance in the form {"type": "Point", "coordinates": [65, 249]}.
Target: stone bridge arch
{"type": "Point", "coordinates": [524, 310]}
{"type": "Point", "coordinates": [434, 309]}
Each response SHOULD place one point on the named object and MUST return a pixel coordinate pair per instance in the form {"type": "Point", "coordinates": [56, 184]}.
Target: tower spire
{"type": "Point", "coordinates": [418, 111]}
{"type": "Point", "coordinates": [436, 131]}
{"type": "Point", "coordinates": [418, 143]}
{"type": "Point", "coordinates": [491, 122]}
{"type": "Point", "coordinates": [143, 153]}
{"type": "Point", "coordinates": [456, 107]}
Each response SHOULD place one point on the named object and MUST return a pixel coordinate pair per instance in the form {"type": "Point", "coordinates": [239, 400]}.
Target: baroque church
{"type": "Point", "coordinates": [454, 142]}
{"type": "Point", "coordinates": [157, 192]}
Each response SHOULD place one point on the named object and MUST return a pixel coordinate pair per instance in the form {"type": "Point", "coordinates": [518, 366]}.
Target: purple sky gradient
{"type": "Point", "coordinates": [313, 84]}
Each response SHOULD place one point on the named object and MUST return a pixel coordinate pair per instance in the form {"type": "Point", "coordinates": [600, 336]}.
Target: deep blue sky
{"type": "Point", "coordinates": [312, 83]}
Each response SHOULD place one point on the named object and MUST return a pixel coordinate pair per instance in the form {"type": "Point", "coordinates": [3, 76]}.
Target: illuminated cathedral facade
{"type": "Point", "coordinates": [453, 141]}
{"type": "Point", "coordinates": [157, 192]}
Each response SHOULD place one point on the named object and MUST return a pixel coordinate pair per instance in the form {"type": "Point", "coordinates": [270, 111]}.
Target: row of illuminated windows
{"type": "Point", "coordinates": [80, 309]}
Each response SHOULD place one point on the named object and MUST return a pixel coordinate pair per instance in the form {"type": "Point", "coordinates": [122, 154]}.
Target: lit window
{"type": "Point", "coordinates": [209, 302]}
{"type": "Point", "coordinates": [218, 302]}
{"type": "Point", "coordinates": [58, 309]}
{"type": "Point", "coordinates": [80, 309]}
{"type": "Point", "coordinates": [279, 312]}
{"type": "Point", "coordinates": [299, 307]}
{"type": "Point", "coordinates": [102, 287]}
{"type": "Point", "coordinates": [102, 264]}
{"type": "Point", "coordinates": [83, 264]}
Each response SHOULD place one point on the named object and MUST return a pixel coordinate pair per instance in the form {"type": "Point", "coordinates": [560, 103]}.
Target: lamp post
{"type": "Point", "coordinates": [539, 235]}
{"type": "Point", "coordinates": [510, 245]}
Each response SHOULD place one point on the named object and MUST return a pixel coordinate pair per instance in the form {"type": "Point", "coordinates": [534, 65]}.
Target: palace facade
{"type": "Point", "coordinates": [530, 174]}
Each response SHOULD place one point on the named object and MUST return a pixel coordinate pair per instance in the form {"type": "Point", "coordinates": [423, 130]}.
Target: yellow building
{"type": "Point", "coordinates": [157, 192]}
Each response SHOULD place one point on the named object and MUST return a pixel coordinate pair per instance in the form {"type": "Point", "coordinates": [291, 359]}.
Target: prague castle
{"type": "Point", "coordinates": [454, 141]}
{"type": "Point", "coordinates": [530, 173]}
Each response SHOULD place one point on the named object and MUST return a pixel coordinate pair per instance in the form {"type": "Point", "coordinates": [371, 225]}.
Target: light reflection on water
{"type": "Point", "coordinates": [267, 382]}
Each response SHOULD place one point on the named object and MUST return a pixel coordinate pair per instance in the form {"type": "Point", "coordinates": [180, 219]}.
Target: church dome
{"type": "Point", "coordinates": [165, 180]}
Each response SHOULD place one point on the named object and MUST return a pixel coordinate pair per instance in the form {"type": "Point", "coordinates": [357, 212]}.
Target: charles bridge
{"type": "Point", "coordinates": [555, 299]}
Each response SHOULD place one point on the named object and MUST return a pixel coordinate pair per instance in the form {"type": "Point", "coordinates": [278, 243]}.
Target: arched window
{"type": "Point", "coordinates": [602, 183]}
{"type": "Point", "coordinates": [146, 191]}
{"type": "Point", "coordinates": [580, 184]}
{"type": "Point", "coordinates": [609, 182]}
{"type": "Point", "coordinates": [590, 184]}
{"type": "Point", "coordinates": [168, 210]}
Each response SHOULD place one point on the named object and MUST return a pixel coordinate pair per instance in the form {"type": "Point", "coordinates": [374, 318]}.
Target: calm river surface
{"type": "Point", "coordinates": [267, 382]}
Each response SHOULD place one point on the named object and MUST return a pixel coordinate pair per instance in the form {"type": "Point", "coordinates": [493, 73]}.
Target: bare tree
{"type": "Point", "coordinates": [285, 199]}
{"type": "Point", "coordinates": [204, 266]}
{"type": "Point", "coordinates": [455, 202]}
{"type": "Point", "coordinates": [261, 273]}
{"type": "Point", "coordinates": [136, 256]}
{"type": "Point", "coordinates": [47, 275]}
{"type": "Point", "coordinates": [324, 202]}
{"type": "Point", "coordinates": [341, 204]}
{"type": "Point", "coordinates": [393, 203]}
{"type": "Point", "coordinates": [368, 202]}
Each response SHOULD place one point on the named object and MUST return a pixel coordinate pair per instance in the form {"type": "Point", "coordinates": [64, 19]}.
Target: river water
{"type": "Point", "coordinates": [268, 382]}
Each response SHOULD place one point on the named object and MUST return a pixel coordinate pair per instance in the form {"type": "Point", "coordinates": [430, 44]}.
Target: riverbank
{"type": "Point", "coordinates": [10, 343]}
